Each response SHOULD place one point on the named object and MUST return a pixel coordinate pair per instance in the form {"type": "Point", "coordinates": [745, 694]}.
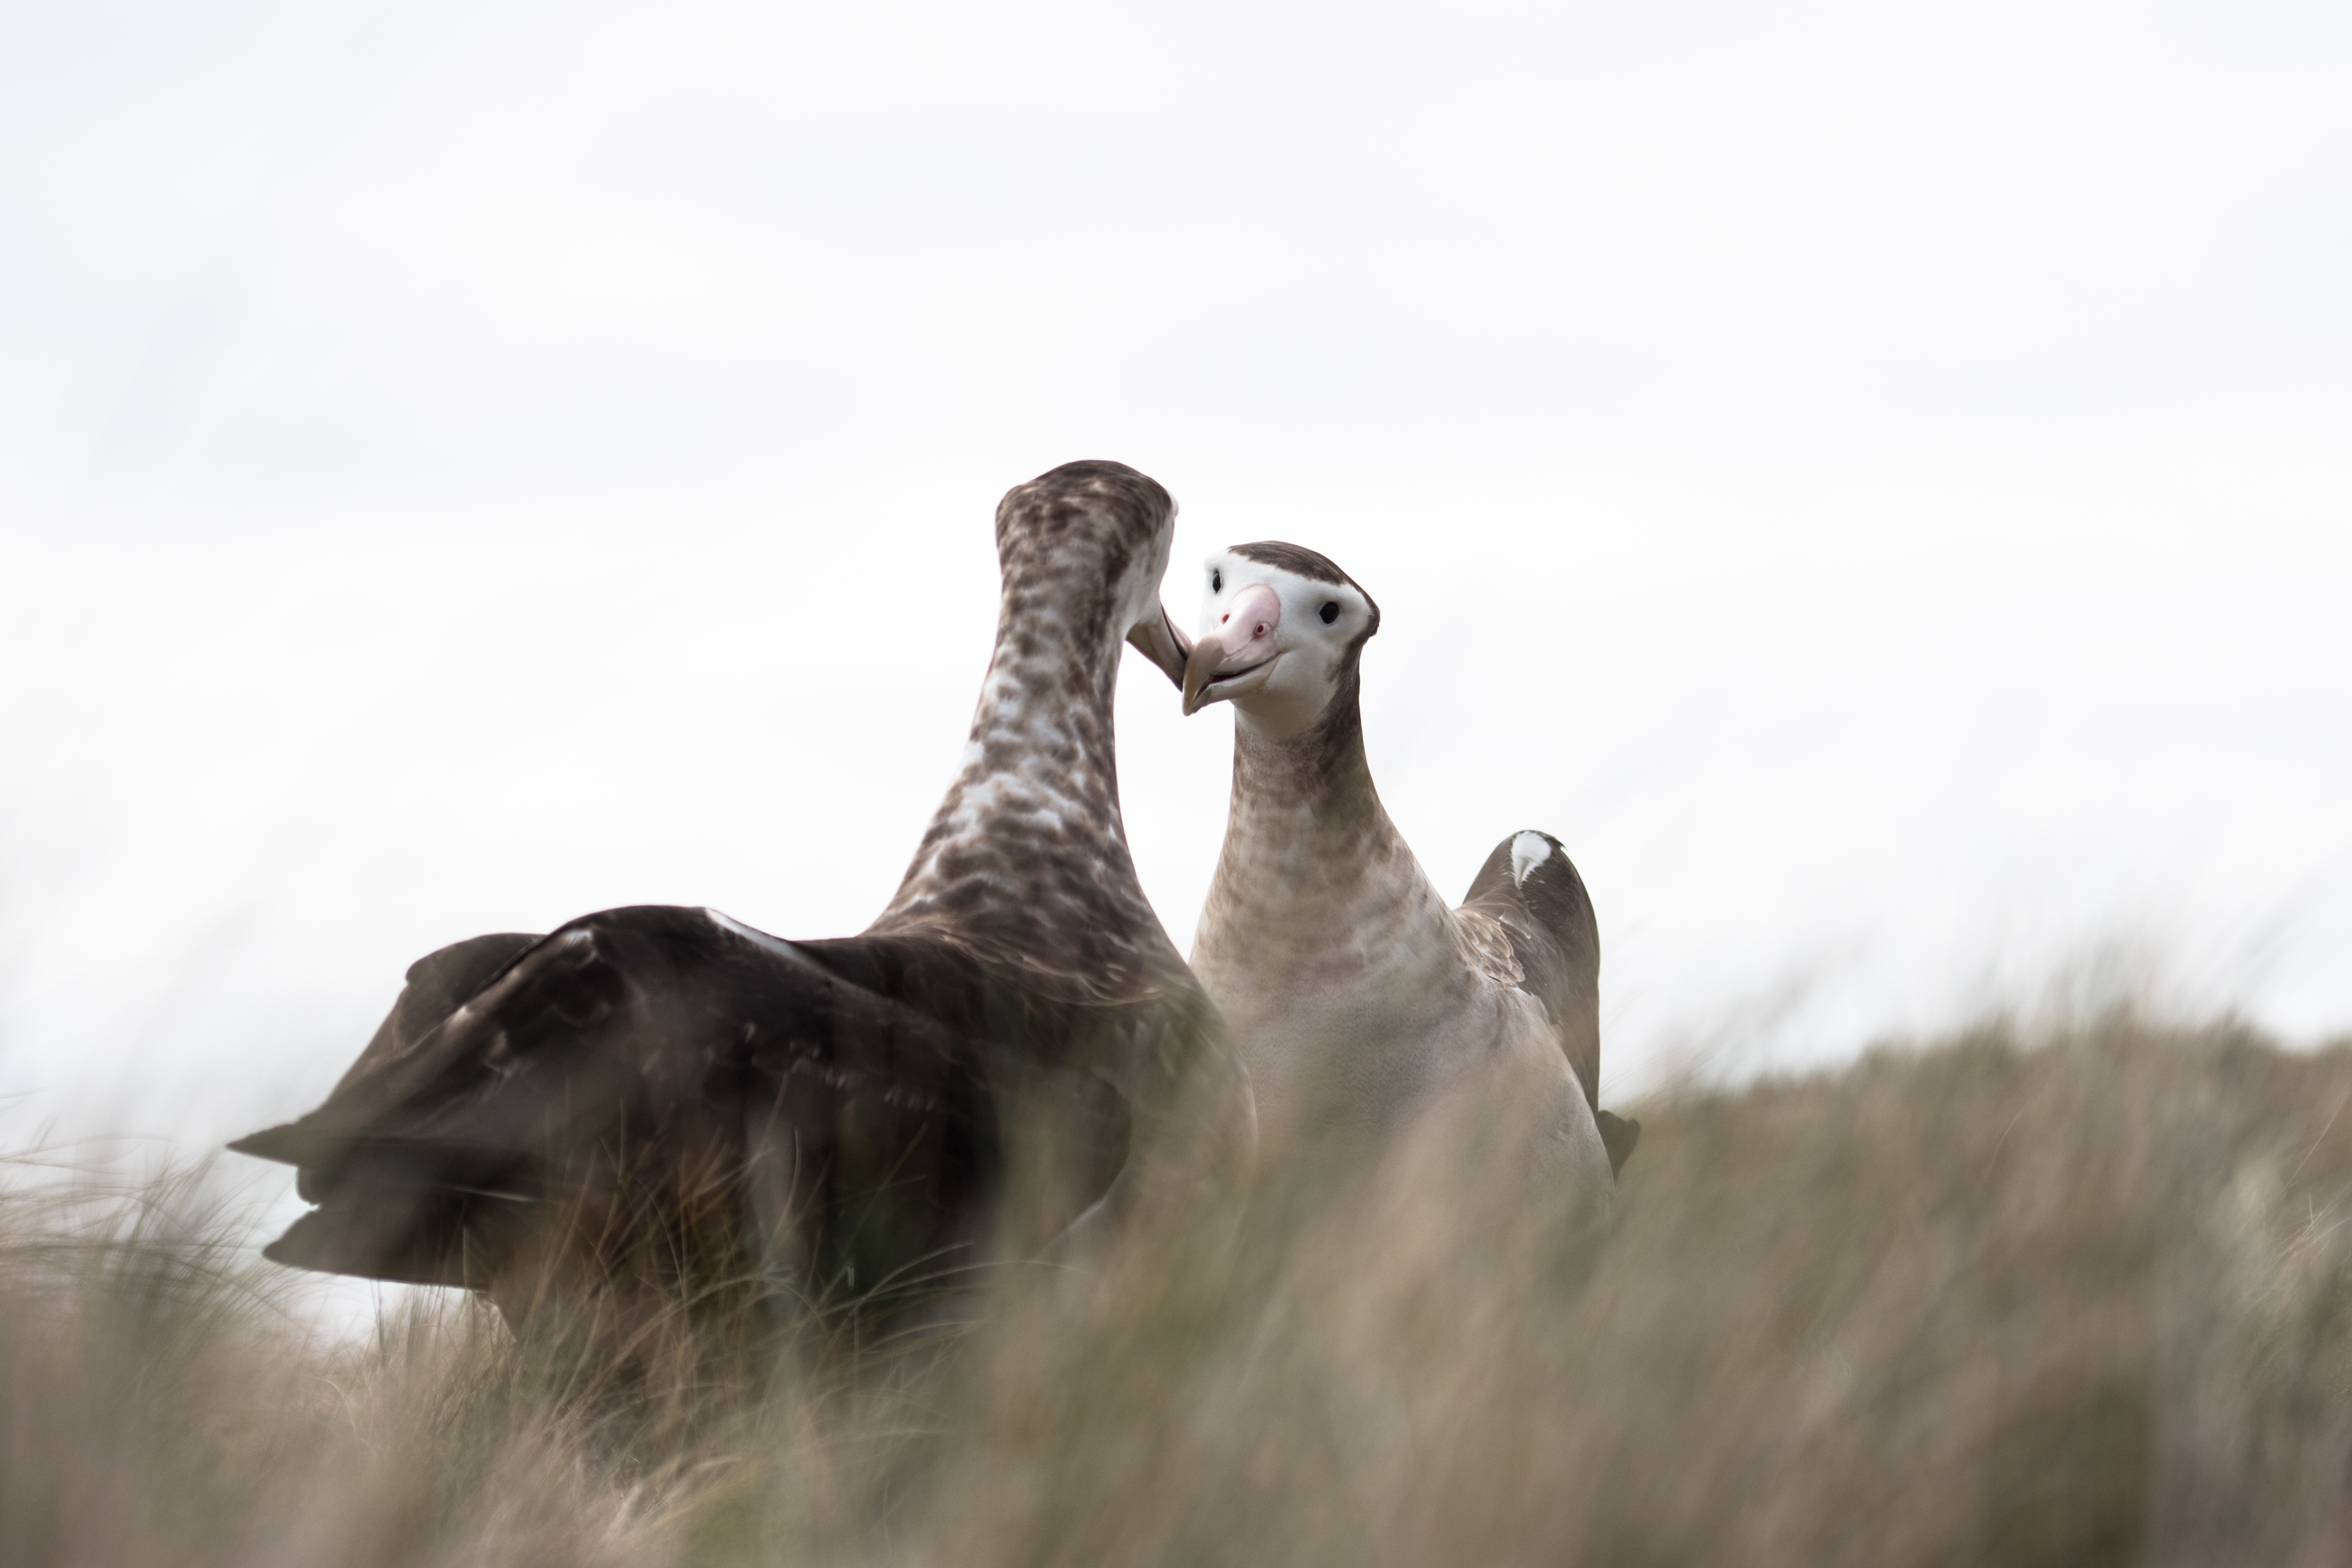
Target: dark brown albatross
{"type": "Point", "coordinates": [658, 1093]}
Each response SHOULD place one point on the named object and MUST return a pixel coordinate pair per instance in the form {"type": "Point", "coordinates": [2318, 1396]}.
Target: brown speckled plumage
{"type": "Point", "coordinates": [1026, 859]}
{"type": "Point", "coordinates": [855, 1097]}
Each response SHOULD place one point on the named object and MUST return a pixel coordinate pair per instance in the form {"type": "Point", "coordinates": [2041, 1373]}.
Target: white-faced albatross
{"type": "Point", "coordinates": [1356, 995]}
{"type": "Point", "coordinates": [566, 1106]}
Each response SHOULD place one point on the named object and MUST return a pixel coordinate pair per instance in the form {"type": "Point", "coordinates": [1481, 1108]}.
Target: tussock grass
{"type": "Point", "coordinates": [2084, 1297]}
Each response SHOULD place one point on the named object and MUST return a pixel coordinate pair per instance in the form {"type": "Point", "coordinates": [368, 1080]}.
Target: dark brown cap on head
{"type": "Point", "coordinates": [1301, 561]}
{"type": "Point", "coordinates": [1297, 559]}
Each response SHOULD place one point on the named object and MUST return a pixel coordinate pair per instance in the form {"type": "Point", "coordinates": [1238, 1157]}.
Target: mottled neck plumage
{"type": "Point", "coordinates": [1306, 825]}
{"type": "Point", "coordinates": [1308, 798]}
{"type": "Point", "coordinates": [1027, 856]}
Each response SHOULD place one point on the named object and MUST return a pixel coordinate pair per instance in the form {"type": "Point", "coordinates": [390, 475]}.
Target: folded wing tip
{"type": "Point", "coordinates": [269, 1143]}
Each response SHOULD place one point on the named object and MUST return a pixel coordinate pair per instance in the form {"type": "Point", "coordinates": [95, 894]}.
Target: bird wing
{"type": "Point", "coordinates": [1531, 889]}
{"type": "Point", "coordinates": [651, 1026]}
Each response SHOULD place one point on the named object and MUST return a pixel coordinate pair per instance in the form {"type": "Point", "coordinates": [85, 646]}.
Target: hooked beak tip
{"type": "Point", "coordinates": [1200, 669]}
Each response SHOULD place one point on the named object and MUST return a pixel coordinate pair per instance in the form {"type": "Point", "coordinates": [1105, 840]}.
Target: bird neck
{"type": "Point", "coordinates": [1322, 942]}
{"type": "Point", "coordinates": [1027, 853]}
{"type": "Point", "coordinates": [1306, 826]}
{"type": "Point", "coordinates": [1307, 797]}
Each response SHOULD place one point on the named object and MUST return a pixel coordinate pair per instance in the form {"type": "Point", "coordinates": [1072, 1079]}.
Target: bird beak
{"type": "Point", "coordinates": [1156, 639]}
{"type": "Point", "coordinates": [1232, 660]}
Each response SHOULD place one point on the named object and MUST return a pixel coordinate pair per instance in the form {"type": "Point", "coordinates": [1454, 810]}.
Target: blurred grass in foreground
{"type": "Point", "coordinates": [2082, 1300]}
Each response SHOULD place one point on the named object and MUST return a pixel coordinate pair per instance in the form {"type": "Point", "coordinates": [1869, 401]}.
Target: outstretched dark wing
{"type": "Point", "coordinates": [516, 1073]}
{"type": "Point", "coordinates": [1531, 888]}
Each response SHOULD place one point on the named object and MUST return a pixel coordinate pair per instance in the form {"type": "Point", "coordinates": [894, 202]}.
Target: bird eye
{"type": "Point", "coordinates": [1216, 582]}
{"type": "Point", "coordinates": [1330, 611]}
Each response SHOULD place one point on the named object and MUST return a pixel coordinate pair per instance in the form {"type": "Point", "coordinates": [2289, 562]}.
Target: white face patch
{"type": "Point", "coordinates": [1307, 648]}
{"type": "Point", "coordinates": [1528, 850]}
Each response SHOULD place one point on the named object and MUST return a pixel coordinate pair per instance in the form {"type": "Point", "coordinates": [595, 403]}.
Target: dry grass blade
{"type": "Point", "coordinates": [2079, 1300]}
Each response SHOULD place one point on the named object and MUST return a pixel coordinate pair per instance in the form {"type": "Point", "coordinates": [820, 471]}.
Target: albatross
{"type": "Point", "coordinates": [1357, 997]}
{"type": "Point", "coordinates": [656, 1094]}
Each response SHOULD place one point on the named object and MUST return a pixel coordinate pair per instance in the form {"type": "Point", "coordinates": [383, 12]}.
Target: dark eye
{"type": "Point", "coordinates": [1330, 611]}
{"type": "Point", "coordinates": [1216, 582]}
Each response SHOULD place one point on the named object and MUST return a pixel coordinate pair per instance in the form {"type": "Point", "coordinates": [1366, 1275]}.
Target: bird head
{"type": "Point", "coordinates": [1282, 630]}
{"type": "Point", "coordinates": [1092, 529]}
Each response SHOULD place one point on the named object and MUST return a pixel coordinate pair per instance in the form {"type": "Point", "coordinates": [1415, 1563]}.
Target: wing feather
{"type": "Point", "coordinates": [650, 1026]}
{"type": "Point", "coordinates": [1540, 903]}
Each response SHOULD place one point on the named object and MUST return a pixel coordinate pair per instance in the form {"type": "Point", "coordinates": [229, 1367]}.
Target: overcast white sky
{"type": "Point", "coordinates": [1875, 480]}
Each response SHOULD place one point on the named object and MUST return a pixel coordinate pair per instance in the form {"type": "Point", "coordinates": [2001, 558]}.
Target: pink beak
{"type": "Point", "coordinates": [1243, 641]}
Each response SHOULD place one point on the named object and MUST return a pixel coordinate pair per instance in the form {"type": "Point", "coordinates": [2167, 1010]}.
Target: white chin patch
{"type": "Point", "coordinates": [1528, 850]}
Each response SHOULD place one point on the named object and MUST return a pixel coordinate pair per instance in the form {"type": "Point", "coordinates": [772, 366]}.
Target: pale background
{"type": "Point", "coordinates": [1875, 480]}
